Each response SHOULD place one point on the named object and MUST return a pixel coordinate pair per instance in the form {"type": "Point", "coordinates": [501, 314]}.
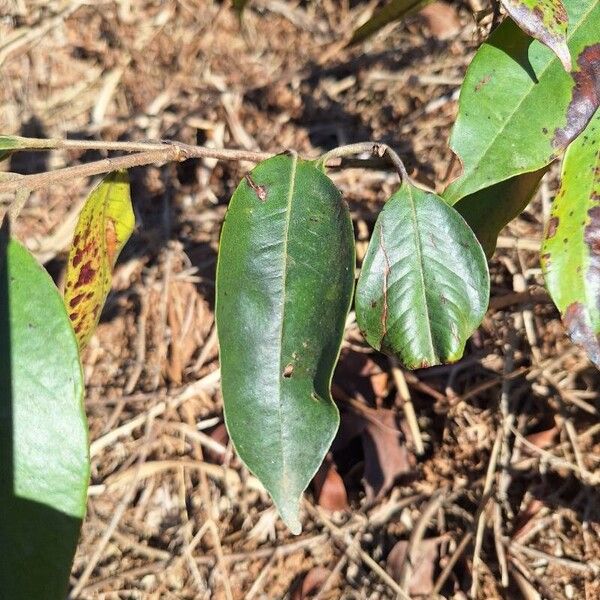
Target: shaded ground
{"type": "Point", "coordinates": [172, 513]}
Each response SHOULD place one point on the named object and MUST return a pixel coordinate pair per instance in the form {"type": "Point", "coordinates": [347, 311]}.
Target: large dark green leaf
{"type": "Point", "coordinates": [284, 286]}
{"type": "Point", "coordinates": [44, 465]}
{"type": "Point", "coordinates": [545, 20]}
{"type": "Point", "coordinates": [392, 11]}
{"type": "Point", "coordinates": [424, 284]}
{"type": "Point", "coordinates": [490, 209]}
{"type": "Point", "coordinates": [571, 249]}
{"type": "Point", "coordinates": [518, 108]}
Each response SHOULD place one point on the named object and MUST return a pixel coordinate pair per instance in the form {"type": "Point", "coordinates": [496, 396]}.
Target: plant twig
{"type": "Point", "coordinates": [175, 152]}
{"type": "Point", "coordinates": [145, 153]}
{"type": "Point", "coordinates": [375, 149]}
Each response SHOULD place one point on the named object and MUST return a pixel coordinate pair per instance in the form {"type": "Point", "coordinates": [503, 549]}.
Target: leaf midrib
{"type": "Point", "coordinates": [288, 212]}
{"type": "Point", "coordinates": [419, 253]}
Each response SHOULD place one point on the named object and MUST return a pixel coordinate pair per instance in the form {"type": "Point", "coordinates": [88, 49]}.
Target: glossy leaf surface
{"type": "Point", "coordinates": [105, 224]}
{"type": "Point", "coordinates": [44, 465]}
{"type": "Point", "coordinates": [518, 107]}
{"type": "Point", "coordinates": [571, 250]}
{"type": "Point", "coordinates": [424, 283]}
{"type": "Point", "coordinates": [545, 20]}
{"type": "Point", "coordinates": [392, 11]}
{"type": "Point", "coordinates": [489, 210]}
{"type": "Point", "coordinates": [284, 285]}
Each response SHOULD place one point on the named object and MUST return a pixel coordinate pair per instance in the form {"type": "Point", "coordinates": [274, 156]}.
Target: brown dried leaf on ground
{"type": "Point", "coordinates": [329, 489]}
{"type": "Point", "coordinates": [425, 560]}
{"type": "Point", "coordinates": [310, 583]}
{"type": "Point", "coordinates": [386, 454]}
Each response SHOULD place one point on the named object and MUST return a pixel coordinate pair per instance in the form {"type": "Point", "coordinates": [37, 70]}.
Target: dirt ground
{"type": "Point", "coordinates": [503, 500]}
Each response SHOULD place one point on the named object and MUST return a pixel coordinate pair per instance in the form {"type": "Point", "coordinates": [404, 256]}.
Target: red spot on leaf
{"type": "Point", "coordinates": [86, 274]}
{"type": "Point", "coordinates": [76, 300]}
{"type": "Point", "coordinates": [77, 258]}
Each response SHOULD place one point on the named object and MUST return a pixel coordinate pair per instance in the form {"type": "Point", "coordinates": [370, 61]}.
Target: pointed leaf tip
{"type": "Point", "coordinates": [285, 278]}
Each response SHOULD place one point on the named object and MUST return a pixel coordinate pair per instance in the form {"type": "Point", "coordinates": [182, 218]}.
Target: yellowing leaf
{"type": "Point", "coordinates": [105, 224]}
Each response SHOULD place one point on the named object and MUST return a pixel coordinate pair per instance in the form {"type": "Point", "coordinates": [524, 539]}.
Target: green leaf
{"type": "Point", "coordinates": [8, 144]}
{"type": "Point", "coordinates": [284, 286]}
{"type": "Point", "coordinates": [424, 284]}
{"type": "Point", "coordinates": [545, 20]}
{"type": "Point", "coordinates": [518, 107]}
{"type": "Point", "coordinates": [44, 464]}
{"type": "Point", "coordinates": [105, 224]}
{"type": "Point", "coordinates": [392, 11]}
{"type": "Point", "coordinates": [571, 250]}
{"type": "Point", "coordinates": [490, 209]}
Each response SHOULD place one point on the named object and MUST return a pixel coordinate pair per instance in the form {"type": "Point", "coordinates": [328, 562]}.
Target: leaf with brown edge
{"type": "Point", "coordinates": [518, 108]}
{"type": "Point", "coordinates": [105, 224]}
{"type": "Point", "coordinates": [545, 20]}
{"type": "Point", "coordinates": [571, 250]}
{"type": "Point", "coordinates": [586, 96]}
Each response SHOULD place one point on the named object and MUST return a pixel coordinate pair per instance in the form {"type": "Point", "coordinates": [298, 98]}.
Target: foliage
{"type": "Point", "coordinates": [545, 20]}
{"type": "Point", "coordinates": [411, 301]}
{"type": "Point", "coordinates": [392, 11]}
{"type": "Point", "coordinates": [286, 273]}
{"type": "Point", "coordinates": [284, 286]}
{"type": "Point", "coordinates": [44, 465]}
{"type": "Point", "coordinates": [518, 107]}
{"type": "Point", "coordinates": [571, 250]}
{"type": "Point", "coordinates": [105, 224]}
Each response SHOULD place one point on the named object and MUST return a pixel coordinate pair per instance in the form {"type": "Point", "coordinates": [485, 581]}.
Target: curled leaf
{"type": "Point", "coordinates": [571, 250]}
{"type": "Point", "coordinates": [105, 224]}
{"type": "Point", "coordinates": [490, 209]}
{"type": "Point", "coordinates": [424, 284]}
{"type": "Point", "coordinates": [546, 20]}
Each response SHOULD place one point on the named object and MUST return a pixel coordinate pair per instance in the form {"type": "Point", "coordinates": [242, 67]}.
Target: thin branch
{"type": "Point", "coordinates": [376, 149]}
{"type": "Point", "coordinates": [145, 153]}
{"type": "Point", "coordinates": [166, 152]}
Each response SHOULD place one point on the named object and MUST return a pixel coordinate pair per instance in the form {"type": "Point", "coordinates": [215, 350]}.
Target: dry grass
{"type": "Point", "coordinates": [508, 481]}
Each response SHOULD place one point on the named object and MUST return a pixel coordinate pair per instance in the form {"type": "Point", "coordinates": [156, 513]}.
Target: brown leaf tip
{"type": "Point", "coordinates": [576, 320]}
{"type": "Point", "coordinates": [585, 99]}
